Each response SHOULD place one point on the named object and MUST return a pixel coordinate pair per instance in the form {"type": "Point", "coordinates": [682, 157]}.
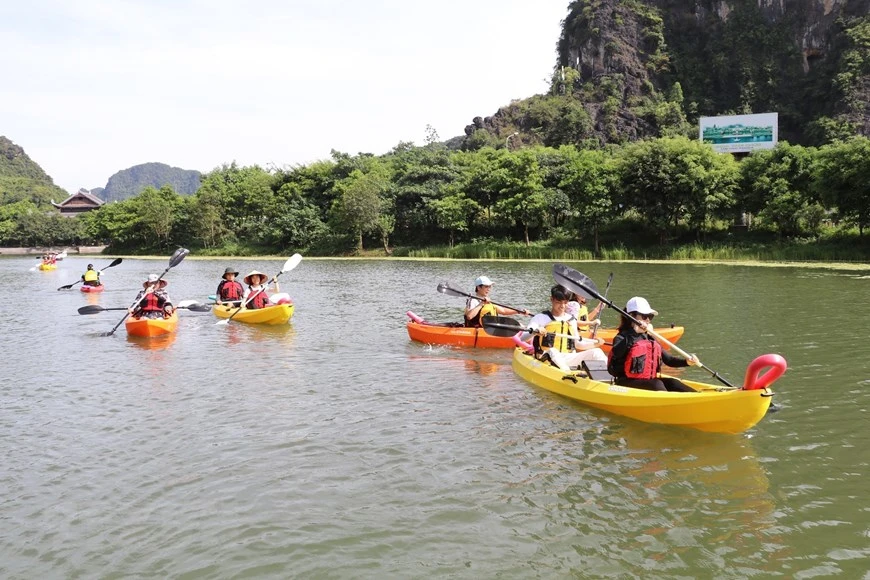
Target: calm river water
{"type": "Point", "coordinates": [333, 447]}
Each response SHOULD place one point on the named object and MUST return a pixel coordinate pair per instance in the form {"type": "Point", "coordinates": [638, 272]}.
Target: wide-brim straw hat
{"type": "Point", "coordinates": [255, 273]}
{"type": "Point", "coordinates": [152, 278]}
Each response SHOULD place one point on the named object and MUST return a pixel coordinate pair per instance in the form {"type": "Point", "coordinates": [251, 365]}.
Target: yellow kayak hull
{"type": "Point", "coordinates": [47, 267]}
{"type": "Point", "coordinates": [709, 409]}
{"type": "Point", "coordinates": [276, 314]}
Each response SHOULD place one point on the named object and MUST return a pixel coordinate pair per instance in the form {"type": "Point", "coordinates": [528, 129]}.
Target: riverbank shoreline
{"type": "Point", "coordinates": [38, 251]}
{"type": "Point", "coordinates": [98, 250]}
{"type": "Point", "coordinates": [852, 266]}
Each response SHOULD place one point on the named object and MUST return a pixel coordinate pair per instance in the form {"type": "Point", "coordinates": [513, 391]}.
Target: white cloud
{"type": "Point", "coordinates": [95, 86]}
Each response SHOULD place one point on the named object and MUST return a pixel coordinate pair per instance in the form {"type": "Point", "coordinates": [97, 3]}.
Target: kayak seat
{"type": "Point", "coordinates": [597, 370]}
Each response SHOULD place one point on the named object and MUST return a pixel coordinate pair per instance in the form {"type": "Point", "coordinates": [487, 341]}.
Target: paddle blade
{"type": "Point", "coordinates": [67, 287]}
{"type": "Point", "coordinates": [291, 263]}
{"type": "Point", "coordinates": [501, 326]}
{"type": "Point", "coordinates": [91, 309]}
{"type": "Point", "coordinates": [194, 306]}
{"type": "Point", "coordinates": [444, 288]}
{"type": "Point", "coordinates": [114, 263]}
{"type": "Point", "coordinates": [177, 257]}
{"type": "Point", "coordinates": [576, 282]}
{"type": "Point", "coordinates": [222, 322]}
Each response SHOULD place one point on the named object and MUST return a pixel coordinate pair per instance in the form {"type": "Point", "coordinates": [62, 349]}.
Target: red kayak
{"type": "Point", "coordinates": [84, 288]}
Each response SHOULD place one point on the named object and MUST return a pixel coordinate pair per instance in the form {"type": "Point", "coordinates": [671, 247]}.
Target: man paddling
{"type": "Point", "coordinates": [479, 305]}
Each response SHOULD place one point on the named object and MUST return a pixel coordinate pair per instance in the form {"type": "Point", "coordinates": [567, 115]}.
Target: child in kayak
{"type": "Point", "coordinates": [91, 277]}
{"type": "Point", "coordinates": [152, 301]}
{"type": "Point", "coordinates": [255, 296]}
{"type": "Point", "coordinates": [636, 358]}
{"type": "Point", "coordinates": [229, 291]}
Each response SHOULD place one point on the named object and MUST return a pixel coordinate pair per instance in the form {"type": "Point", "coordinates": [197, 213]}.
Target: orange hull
{"type": "Point", "coordinates": [148, 327]}
{"type": "Point", "coordinates": [447, 334]}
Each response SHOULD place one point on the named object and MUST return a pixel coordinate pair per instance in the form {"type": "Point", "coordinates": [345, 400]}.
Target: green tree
{"type": "Point", "coordinates": [453, 213]}
{"type": "Point", "coordinates": [590, 180]}
{"type": "Point", "coordinates": [360, 205]}
{"type": "Point", "coordinates": [841, 176]}
{"type": "Point", "coordinates": [776, 184]}
{"type": "Point", "coordinates": [676, 180]}
{"type": "Point", "coordinates": [157, 214]}
{"type": "Point", "coordinates": [207, 220]}
{"type": "Point", "coordinates": [519, 183]}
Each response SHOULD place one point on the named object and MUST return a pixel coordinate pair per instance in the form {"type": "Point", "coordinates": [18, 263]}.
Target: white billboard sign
{"type": "Point", "coordinates": [740, 133]}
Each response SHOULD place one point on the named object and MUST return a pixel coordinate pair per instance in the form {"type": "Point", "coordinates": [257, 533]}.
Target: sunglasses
{"type": "Point", "coordinates": [645, 316]}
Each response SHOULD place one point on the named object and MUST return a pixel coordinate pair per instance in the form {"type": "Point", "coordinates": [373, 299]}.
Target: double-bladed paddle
{"type": "Point", "coordinates": [174, 260]}
{"type": "Point", "coordinates": [291, 263]}
{"type": "Point", "coordinates": [445, 288]}
{"type": "Point", "coordinates": [115, 262]}
{"type": "Point", "coordinates": [581, 284]}
{"type": "Point", "coordinates": [505, 327]}
{"type": "Point", "coordinates": [191, 305]}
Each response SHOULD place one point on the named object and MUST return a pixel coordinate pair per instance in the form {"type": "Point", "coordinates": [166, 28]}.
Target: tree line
{"type": "Point", "coordinates": [419, 196]}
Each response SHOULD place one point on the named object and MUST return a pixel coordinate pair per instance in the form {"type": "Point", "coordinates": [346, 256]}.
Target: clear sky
{"type": "Point", "coordinates": [91, 87]}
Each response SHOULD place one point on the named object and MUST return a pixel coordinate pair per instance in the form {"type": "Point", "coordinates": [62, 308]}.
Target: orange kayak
{"type": "Point", "coordinates": [151, 326]}
{"type": "Point", "coordinates": [455, 334]}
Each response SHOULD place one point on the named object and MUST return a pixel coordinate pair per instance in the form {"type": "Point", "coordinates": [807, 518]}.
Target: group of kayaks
{"type": "Point", "coordinates": [279, 309]}
{"type": "Point", "coordinates": [722, 408]}
{"type": "Point", "coordinates": [270, 315]}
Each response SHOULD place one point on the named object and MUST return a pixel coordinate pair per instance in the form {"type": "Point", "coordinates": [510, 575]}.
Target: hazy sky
{"type": "Point", "coordinates": [90, 87]}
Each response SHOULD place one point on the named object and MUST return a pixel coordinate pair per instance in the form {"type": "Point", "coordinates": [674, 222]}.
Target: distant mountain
{"type": "Point", "coordinates": [130, 182]}
{"type": "Point", "coordinates": [22, 179]}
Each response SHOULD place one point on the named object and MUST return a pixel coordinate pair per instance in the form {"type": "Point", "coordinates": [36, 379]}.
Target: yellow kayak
{"type": "Point", "coordinates": [713, 408]}
{"type": "Point", "coordinates": [46, 267]}
{"type": "Point", "coordinates": [275, 314]}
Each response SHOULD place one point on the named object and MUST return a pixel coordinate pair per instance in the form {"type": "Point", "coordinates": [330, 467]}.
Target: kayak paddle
{"type": "Point", "coordinates": [191, 305]}
{"type": "Point", "coordinates": [115, 262]}
{"type": "Point", "coordinates": [506, 327]}
{"type": "Point", "coordinates": [445, 288]}
{"type": "Point", "coordinates": [174, 260]}
{"type": "Point", "coordinates": [291, 263]}
{"type": "Point", "coordinates": [581, 284]}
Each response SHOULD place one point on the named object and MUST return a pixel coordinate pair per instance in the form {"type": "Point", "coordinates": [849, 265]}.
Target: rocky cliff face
{"type": "Point", "coordinates": [645, 67]}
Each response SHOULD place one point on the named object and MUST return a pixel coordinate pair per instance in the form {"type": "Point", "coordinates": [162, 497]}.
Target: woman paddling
{"type": "Point", "coordinates": [152, 301]}
{"type": "Point", "coordinates": [479, 306]}
{"type": "Point", "coordinates": [636, 358]}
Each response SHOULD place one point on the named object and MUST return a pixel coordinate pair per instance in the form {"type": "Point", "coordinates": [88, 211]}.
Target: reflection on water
{"type": "Point", "coordinates": [153, 342]}
{"type": "Point", "coordinates": [481, 368]}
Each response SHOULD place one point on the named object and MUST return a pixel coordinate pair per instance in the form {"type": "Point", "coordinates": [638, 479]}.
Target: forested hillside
{"type": "Point", "coordinates": [636, 69]}
{"type": "Point", "coordinates": [129, 182]}
{"type": "Point", "coordinates": [23, 180]}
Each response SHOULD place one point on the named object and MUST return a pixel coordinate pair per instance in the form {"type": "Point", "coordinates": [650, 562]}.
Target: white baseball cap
{"type": "Point", "coordinates": [482, 281]}
{"type": "Point", "coordinates": [640, 305]}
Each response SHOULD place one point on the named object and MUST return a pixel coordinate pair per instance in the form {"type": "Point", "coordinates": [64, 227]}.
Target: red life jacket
{"type": "Point", "coordinates": [643, 360]}
{"type": "Point", "coordinates": [261, 300]}
{"type": "Point", "coordinates": [152, 302]}
{"type": "Point", "coordinates": [230, 291]}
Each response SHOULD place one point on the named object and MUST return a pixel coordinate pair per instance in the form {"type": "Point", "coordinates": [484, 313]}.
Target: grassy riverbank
{"type": "Point", "coordinates": [742, 248]}
{"type": "Point", "coordinates": [790, 252]}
